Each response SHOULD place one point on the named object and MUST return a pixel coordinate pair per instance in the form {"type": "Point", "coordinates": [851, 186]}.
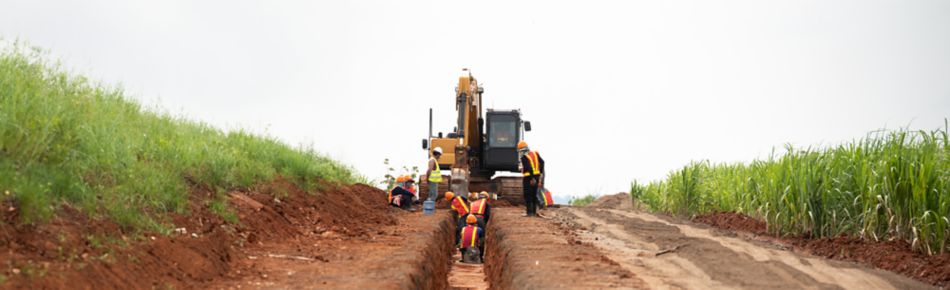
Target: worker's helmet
{"type": "Point", "coordinates": [401, 179]}
{"type": "Point", "coordinates": [483, 194]}
{"type": "Point", "coordinates": [449, 195]}
{"type": "Point", "coordinates": [471, 219]}
{"type": "Point", "coordinates": [522, 145]}
{"type": "Point", "coordinates": [437, 150]}
{"type": "Point", "coordinates": [409, 178]}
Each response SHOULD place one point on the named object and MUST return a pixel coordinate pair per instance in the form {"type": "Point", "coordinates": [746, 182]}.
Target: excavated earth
{"type": "Point", "coordinates": [536, 253]}
{"type": "Point", "coordinates": [338, 237]}
{"type": "Point", "coordinates": [346, 237]}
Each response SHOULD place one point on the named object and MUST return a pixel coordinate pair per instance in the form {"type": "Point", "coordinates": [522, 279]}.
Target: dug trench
{"type": "Point", "coordinates": [336, 237]}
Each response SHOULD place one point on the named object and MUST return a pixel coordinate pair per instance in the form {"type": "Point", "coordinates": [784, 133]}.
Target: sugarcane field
{"type": "Point", "coordinates": [475, 145]}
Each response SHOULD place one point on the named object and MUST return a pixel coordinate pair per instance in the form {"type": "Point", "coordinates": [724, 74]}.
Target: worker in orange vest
{"type": "Point", "coordinates": [401, 195]}
{"type": "Point", "coordinates": [532, 167]}
{"type": "Point", "coordinates": [460, 209]}
{"type": "Point", "coordinates": [481, 209]}
{"type": "Point", "coordinates": [472, 240]}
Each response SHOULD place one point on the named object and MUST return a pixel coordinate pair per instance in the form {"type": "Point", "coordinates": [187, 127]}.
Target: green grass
{"type": "Point", "coordinates": [66, 139]}
{"type": "Point", "coordinates": [582, 201]}
{"type": "Point", "coordinates": [890, 184]}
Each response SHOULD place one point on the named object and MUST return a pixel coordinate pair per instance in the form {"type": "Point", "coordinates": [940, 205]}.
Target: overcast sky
{"type": "Point", "coordinates": [615, 90]}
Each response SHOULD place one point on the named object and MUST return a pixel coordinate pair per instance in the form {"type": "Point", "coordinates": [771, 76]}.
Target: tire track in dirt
{"type": "Point", "coordinates": [678, 256]}
{"type": "Point", "coordinates": [535, 253]}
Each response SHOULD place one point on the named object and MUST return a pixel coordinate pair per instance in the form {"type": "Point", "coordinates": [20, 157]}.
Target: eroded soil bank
{"type": "Point", "coordinates": [339, 236]}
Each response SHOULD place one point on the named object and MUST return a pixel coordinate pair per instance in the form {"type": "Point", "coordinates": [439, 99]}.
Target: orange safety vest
{"type": "Point", "coordinates": [469, 237]}
{"type": "Point", "coordinates": [459, 206]}
{"type": "Point", "coordinates": [478, 207]}
{"type": "Point", "coordinates": [533, 161]}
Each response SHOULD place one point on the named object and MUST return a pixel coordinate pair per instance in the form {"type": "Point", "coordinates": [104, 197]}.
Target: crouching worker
{"type": "Point", "coordinates": [472, 245]}
{"type": "Point", "coordinates": [481, 209]}
{"type": "Point", "coordinates": [460, 209]}
{"type": "Point", "coordinates": [401, 195]}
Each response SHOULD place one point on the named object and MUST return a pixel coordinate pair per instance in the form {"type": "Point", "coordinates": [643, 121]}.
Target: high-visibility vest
{"type": "Point", "coordinates": [469, 237]}
{"type": "Point", "coordinates": [458, 204]}
{"type": "Point", "coordinates": [436, 174]}
{"type": "Point", "coordinates": [478, 207]}
{"type": "Point", "coordinates": [534, 163]}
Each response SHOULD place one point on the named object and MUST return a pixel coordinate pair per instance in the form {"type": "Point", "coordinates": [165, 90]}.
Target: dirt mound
{"type": "Point", "coordinates": [615, 201]}
{"type": "Point", "coordinates": [733, 221]}
{"type": "Point", "coordinates": [74, 250]}
{"type": "Point", "coordinates": [895, 255]}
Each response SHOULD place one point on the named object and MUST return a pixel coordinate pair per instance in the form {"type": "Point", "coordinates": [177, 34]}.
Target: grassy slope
{"type": "Point", "coordinates": [65, 139]}
{"type": "Point", "coordinates": [889, 184]}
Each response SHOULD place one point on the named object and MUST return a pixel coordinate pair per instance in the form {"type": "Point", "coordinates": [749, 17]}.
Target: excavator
{"type": "Point", "coordinates": [484, 142]}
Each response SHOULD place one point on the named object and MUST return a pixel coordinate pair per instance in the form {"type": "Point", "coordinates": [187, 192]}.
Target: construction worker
{"type": "Point", "coordinates": [473, 237]}
{"type": "Point", "coordinates": [460, 209]}
{"type": "Point", "coordinates": [481, 209]}
{"type": "Point", "coordinates": [532, 166]}
{"type": "Point", "coordinates": [401, 194]}
{"type": "Point", "coordinates": [434, 174]}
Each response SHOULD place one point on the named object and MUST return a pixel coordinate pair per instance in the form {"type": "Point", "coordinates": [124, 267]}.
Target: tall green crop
{"type": "Point", "coordinates": [888, 184]}
{"type": "Point", "coordinates": [64, 139]}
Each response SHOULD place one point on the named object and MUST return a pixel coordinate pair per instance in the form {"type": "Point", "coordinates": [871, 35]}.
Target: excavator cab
{"type": "Point", "coordinates": [503, 130]}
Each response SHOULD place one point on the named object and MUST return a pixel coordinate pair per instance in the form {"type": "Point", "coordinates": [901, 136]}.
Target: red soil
{"type": "Point", "coordinates": [74, 250]}
{"type": "Point", "coordinates": [894, 255]}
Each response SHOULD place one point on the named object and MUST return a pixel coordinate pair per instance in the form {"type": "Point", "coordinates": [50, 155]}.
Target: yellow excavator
{"type": "Point", "coordinates": [483, 143]}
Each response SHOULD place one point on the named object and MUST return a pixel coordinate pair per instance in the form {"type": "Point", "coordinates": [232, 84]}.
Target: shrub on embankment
{"type": "Point", "coordinates": [66, 139]}
{"type": "Point", "coordinates": [888, 184]}
{"type": "Point", "coordinates": [582, 201]}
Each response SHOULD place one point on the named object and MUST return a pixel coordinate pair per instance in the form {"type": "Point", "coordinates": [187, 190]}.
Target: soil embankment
{"type": "Point", "coordinates": [339, 236]}
{"type": "Point", "coordinates": [535, 253]}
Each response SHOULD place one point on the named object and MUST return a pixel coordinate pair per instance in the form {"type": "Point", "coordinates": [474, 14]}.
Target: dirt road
{"type": "Point", "coordinates": [669, 254]}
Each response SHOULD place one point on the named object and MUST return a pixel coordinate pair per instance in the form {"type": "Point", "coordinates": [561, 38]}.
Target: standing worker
{"type": "Point", "coordinates": [434, 173]}
{"type": "Point", "coordinates": [532, 166]}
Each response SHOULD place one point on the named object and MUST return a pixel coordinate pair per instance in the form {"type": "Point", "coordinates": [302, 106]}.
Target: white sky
{"type": "Point", "coordinates": [616, 91]}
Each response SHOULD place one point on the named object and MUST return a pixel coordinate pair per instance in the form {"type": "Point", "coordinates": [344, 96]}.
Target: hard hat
{"type": "Point", "coordinates": [471, 219]}
{"type": "Point", "coordinates": [409, 178]}
{"type": "Point", "coordinates": [437, 150]}
{"type": "Point", "coordinates": [449, 195]}
{"type": "Point", "coordinates": [483, 194]}
{"type": "Point", "coordinates": [522, 145]}
{"type": "Point", "coordinates": [401, 179]}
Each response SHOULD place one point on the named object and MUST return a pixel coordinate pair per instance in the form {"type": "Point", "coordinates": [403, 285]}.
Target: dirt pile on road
{"type": "Point", "coordinates": [895, 256]}
{"type": "Point", "coordinates": [733, 221]}
{"type": "Point", "coordinates": [615, 201]}
{"type": "Point", "coordinates": [74, 250]}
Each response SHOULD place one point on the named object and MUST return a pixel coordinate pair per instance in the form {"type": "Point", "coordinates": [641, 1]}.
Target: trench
{"type": "Point", "coordinates": [464, 276]}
